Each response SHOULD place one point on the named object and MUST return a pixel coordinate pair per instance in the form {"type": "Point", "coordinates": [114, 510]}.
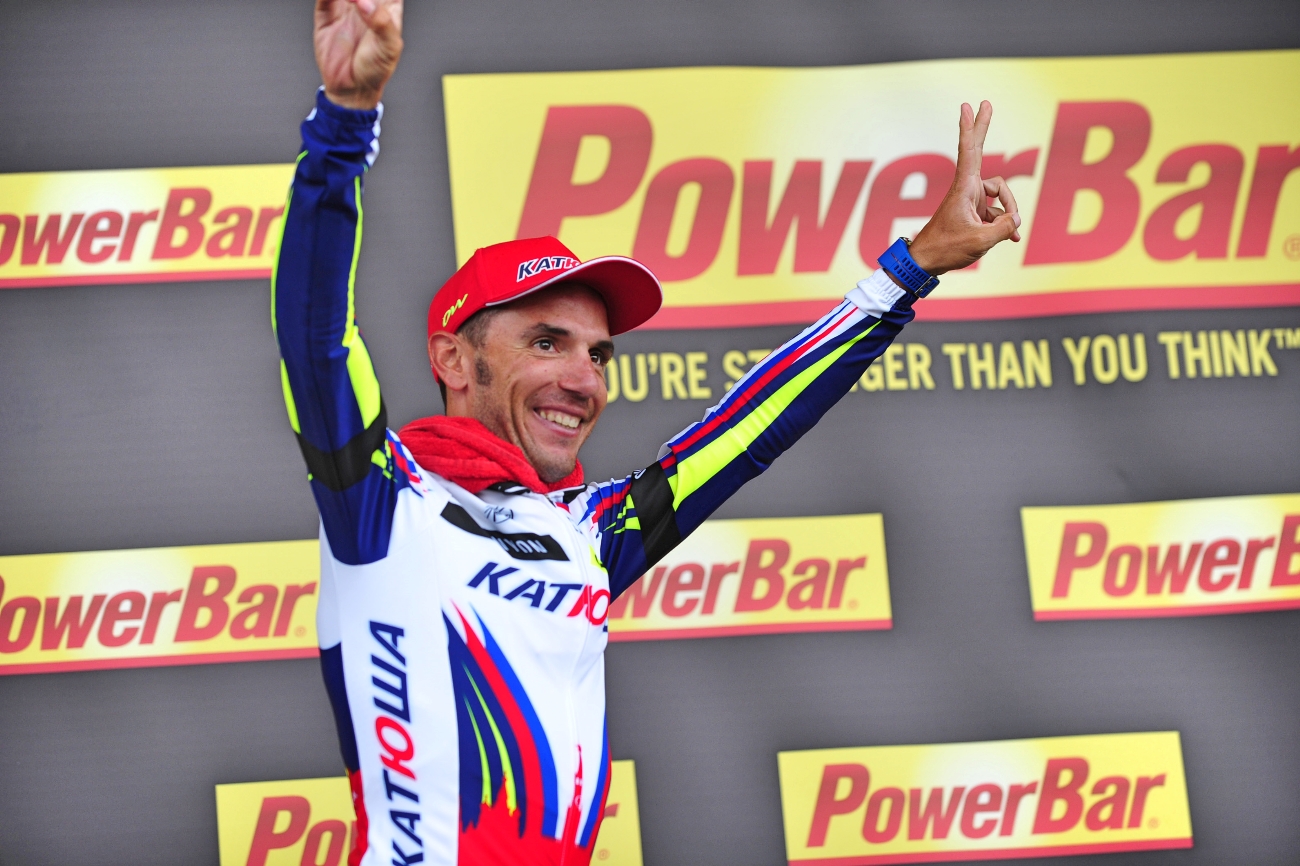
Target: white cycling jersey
{"type": "Point", "coordinates": [478, 595]}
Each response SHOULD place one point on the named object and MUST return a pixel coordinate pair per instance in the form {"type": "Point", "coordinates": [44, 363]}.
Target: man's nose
{"type": "Point", "coordinates": [581, 377]}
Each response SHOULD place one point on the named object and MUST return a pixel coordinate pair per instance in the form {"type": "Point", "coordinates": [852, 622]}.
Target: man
{"type": "Point", "coordinates": [466, 569]}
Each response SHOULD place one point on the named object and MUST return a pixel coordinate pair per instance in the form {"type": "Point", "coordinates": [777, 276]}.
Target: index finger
{"type": "Point", "coordinates": [997, 187]}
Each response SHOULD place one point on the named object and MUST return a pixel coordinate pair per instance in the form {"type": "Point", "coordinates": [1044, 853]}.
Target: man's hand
{"type": "Point", "coordinates": [966, 226]}
{"type": "Point", "coordinates": [358, 44]}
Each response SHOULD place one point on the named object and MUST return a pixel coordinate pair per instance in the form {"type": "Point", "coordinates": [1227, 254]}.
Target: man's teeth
{"type": "Point", "coordinates": [562, 418]}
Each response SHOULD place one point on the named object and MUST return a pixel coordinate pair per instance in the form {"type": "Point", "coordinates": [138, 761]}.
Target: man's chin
{"type": "Point", "coordinates": [553, 467]}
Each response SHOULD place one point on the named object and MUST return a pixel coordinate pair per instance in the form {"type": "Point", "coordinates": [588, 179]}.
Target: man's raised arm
{"type": "Point", "coordinates": [642, 517]}
{"type": "Point", "coordinates": [330, 388]}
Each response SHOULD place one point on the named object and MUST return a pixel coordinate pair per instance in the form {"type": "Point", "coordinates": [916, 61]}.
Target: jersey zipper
{"type": "Point", "coordinates": [580, 558]}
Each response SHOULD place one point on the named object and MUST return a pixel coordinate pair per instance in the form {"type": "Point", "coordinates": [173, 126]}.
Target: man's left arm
{"type": "Point", "coordinates": [643, 517]}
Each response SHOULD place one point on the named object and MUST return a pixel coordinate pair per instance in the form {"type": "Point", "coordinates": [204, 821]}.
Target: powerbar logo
{"type": "Point", "coordinates": [162, 606]}
{"type": "Point", "coordinates": [295, 821]}
{"type": "Point", "coordinates": [1204, 556]}
{"type": "Point", "coordinates": [138, 225]}
{"type": "Point", "coordinates": [1015, 798]}
{"type": "Point", "coordinates": [311, 821]}
{"type": "Point", "coordinates": [762, 576]}
{"type": "Point", "coordinates": [766, 187]}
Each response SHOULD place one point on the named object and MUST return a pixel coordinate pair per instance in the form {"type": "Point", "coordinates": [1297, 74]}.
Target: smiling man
{"type": "Point", "coordinates": [466, 568]}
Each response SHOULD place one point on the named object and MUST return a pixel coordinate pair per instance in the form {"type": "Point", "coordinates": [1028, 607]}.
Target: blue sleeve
{"type": "Point", "coordinates": [330, 387]}
{"type": "Point", "coordinates": [642, 517]}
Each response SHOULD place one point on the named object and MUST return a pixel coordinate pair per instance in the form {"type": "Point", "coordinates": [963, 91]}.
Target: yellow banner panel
{"type": "Point", "coordinates": [140, 225]}
{"type": "Point", "coordinates": [619, 841]}
{"type": "Point", "coordinates": [311, 821]}
{"type": "Point", "coordinates": [160, 606]}
{"type": "Point", "coordinates": [286, 823]}
{"type": "Point", "coordinates": [760, 195]}
{"type": "Point", "coordinates": [1043, 797]}
{"type": "Point", "coordinates": [1233, 554]}
{"type": "Point", "coordinates": [734, 577]}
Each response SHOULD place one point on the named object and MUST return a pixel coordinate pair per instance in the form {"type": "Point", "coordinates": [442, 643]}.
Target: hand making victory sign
{"type": "Point", "coordinates": [358, 44]}
{"type": "Point", "coordinates": [966, 226]}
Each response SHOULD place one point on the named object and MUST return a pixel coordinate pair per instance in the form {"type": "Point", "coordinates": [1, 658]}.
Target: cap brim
{"type": "Point", "coordinates": [631, 292]}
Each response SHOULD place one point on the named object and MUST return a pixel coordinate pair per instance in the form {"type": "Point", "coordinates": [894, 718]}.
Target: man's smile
{"type": "Point", "coordinates": [563, 419]}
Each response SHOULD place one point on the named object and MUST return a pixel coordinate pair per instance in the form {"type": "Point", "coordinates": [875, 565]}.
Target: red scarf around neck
{"type": "Point", "coordinates": [467, 453]}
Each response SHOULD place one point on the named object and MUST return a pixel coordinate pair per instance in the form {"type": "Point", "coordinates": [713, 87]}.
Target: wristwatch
{"type": "Point", "coordinates": [898, 263]}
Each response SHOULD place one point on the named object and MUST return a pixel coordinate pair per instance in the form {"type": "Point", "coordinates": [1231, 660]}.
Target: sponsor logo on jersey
{"type": "Point", "coordinates": [795, 185]}
{"type": "Point", "coordinates": [1199, 556]}
{"type": "Point", "coordinates": [586, 601]}
{"type": "Point", "coordinates": [396, 746]}
{"type": "Point", "coordinates": [979, 801]}
{"type": "Point", "coordinates": [160, 606]}
{"type": "Point", "coordinates": [762, 576]}
{"type": "Point", "coordinates": [498, 513]}
{"type": "Point", "coordinates": [312, 821]}
{"type": "Point", "coordinates": [520, 545]}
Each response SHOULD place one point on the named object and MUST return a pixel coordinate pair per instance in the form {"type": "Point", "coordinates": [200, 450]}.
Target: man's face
{"type": "Point", "coordinates": [539, 378]}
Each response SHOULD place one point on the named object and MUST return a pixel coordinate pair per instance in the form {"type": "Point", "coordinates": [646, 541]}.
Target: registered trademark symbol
{"type": "Point", "coordinates": [299, 631]}
{"type": "Point", "coordinates": [1291, 248]}
{"type": "Point", "coordinates": [853, 604]}
{"type": "Point", "coordinates": [602, 854]}
{"type": "Point", "coordinates": [1154, 822]}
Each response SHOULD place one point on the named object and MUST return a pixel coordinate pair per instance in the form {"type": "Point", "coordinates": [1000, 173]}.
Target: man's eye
{"type": "Point", "coordinates": [598, 359]}
{"type": "Point", "coordinates": [545, 345]}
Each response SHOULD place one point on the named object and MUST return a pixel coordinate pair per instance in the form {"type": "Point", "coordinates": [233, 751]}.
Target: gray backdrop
{"type": "Point", "coordinates": [139, 416]}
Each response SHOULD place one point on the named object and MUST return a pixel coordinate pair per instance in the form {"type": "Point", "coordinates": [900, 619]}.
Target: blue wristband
{"type": "Point", "coordinates": [898, 263]}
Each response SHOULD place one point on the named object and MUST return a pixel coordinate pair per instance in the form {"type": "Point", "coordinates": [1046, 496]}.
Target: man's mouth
{"type": "Point", "coordinates": [564, 419]}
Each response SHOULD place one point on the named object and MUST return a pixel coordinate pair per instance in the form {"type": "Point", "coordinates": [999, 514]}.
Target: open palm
{"type": "Point", "coordinates": [358, 44]}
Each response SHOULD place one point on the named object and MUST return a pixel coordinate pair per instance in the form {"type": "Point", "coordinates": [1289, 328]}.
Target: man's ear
{"type": "Point", "coordinates": [451, 359]}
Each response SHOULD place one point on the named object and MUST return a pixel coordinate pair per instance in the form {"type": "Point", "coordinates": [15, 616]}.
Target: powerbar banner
{"type": "Point", "coordinates": [140, 225]}
{"type": "Point", "coordinates": [311, 821]}
{"type": "Point", "coordinates": [1234, 554]}
{"type": "Point", "coordinates": [733, 577]}
{"type": "Point", "coordinates": [985, 801]}
{"type": "Point", "coordinates": [250, 602]}
{"type": "Point", "coordinates": [160, 606]}
{"type": "Point", "coordinates": [760, 195]}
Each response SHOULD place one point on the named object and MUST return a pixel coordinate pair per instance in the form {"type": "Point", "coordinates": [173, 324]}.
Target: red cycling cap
{"type": "Point", "coordinates": [508, 271]}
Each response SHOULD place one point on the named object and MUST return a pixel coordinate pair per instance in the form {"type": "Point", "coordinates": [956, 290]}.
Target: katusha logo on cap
{"type": "Point", "coordinates": [532, 267]}
{"type": "Point", "coordinates": [505, 272]}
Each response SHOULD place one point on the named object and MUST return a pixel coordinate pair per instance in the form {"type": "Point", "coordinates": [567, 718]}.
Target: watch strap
{"type": "Point", "coordinates": [898, 262]}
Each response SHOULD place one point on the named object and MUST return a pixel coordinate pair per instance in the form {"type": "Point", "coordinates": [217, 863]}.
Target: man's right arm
{"type": "Point", "coordinates": [644, 516]}
{"type": "Point", "coordinates": [330, 388]}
